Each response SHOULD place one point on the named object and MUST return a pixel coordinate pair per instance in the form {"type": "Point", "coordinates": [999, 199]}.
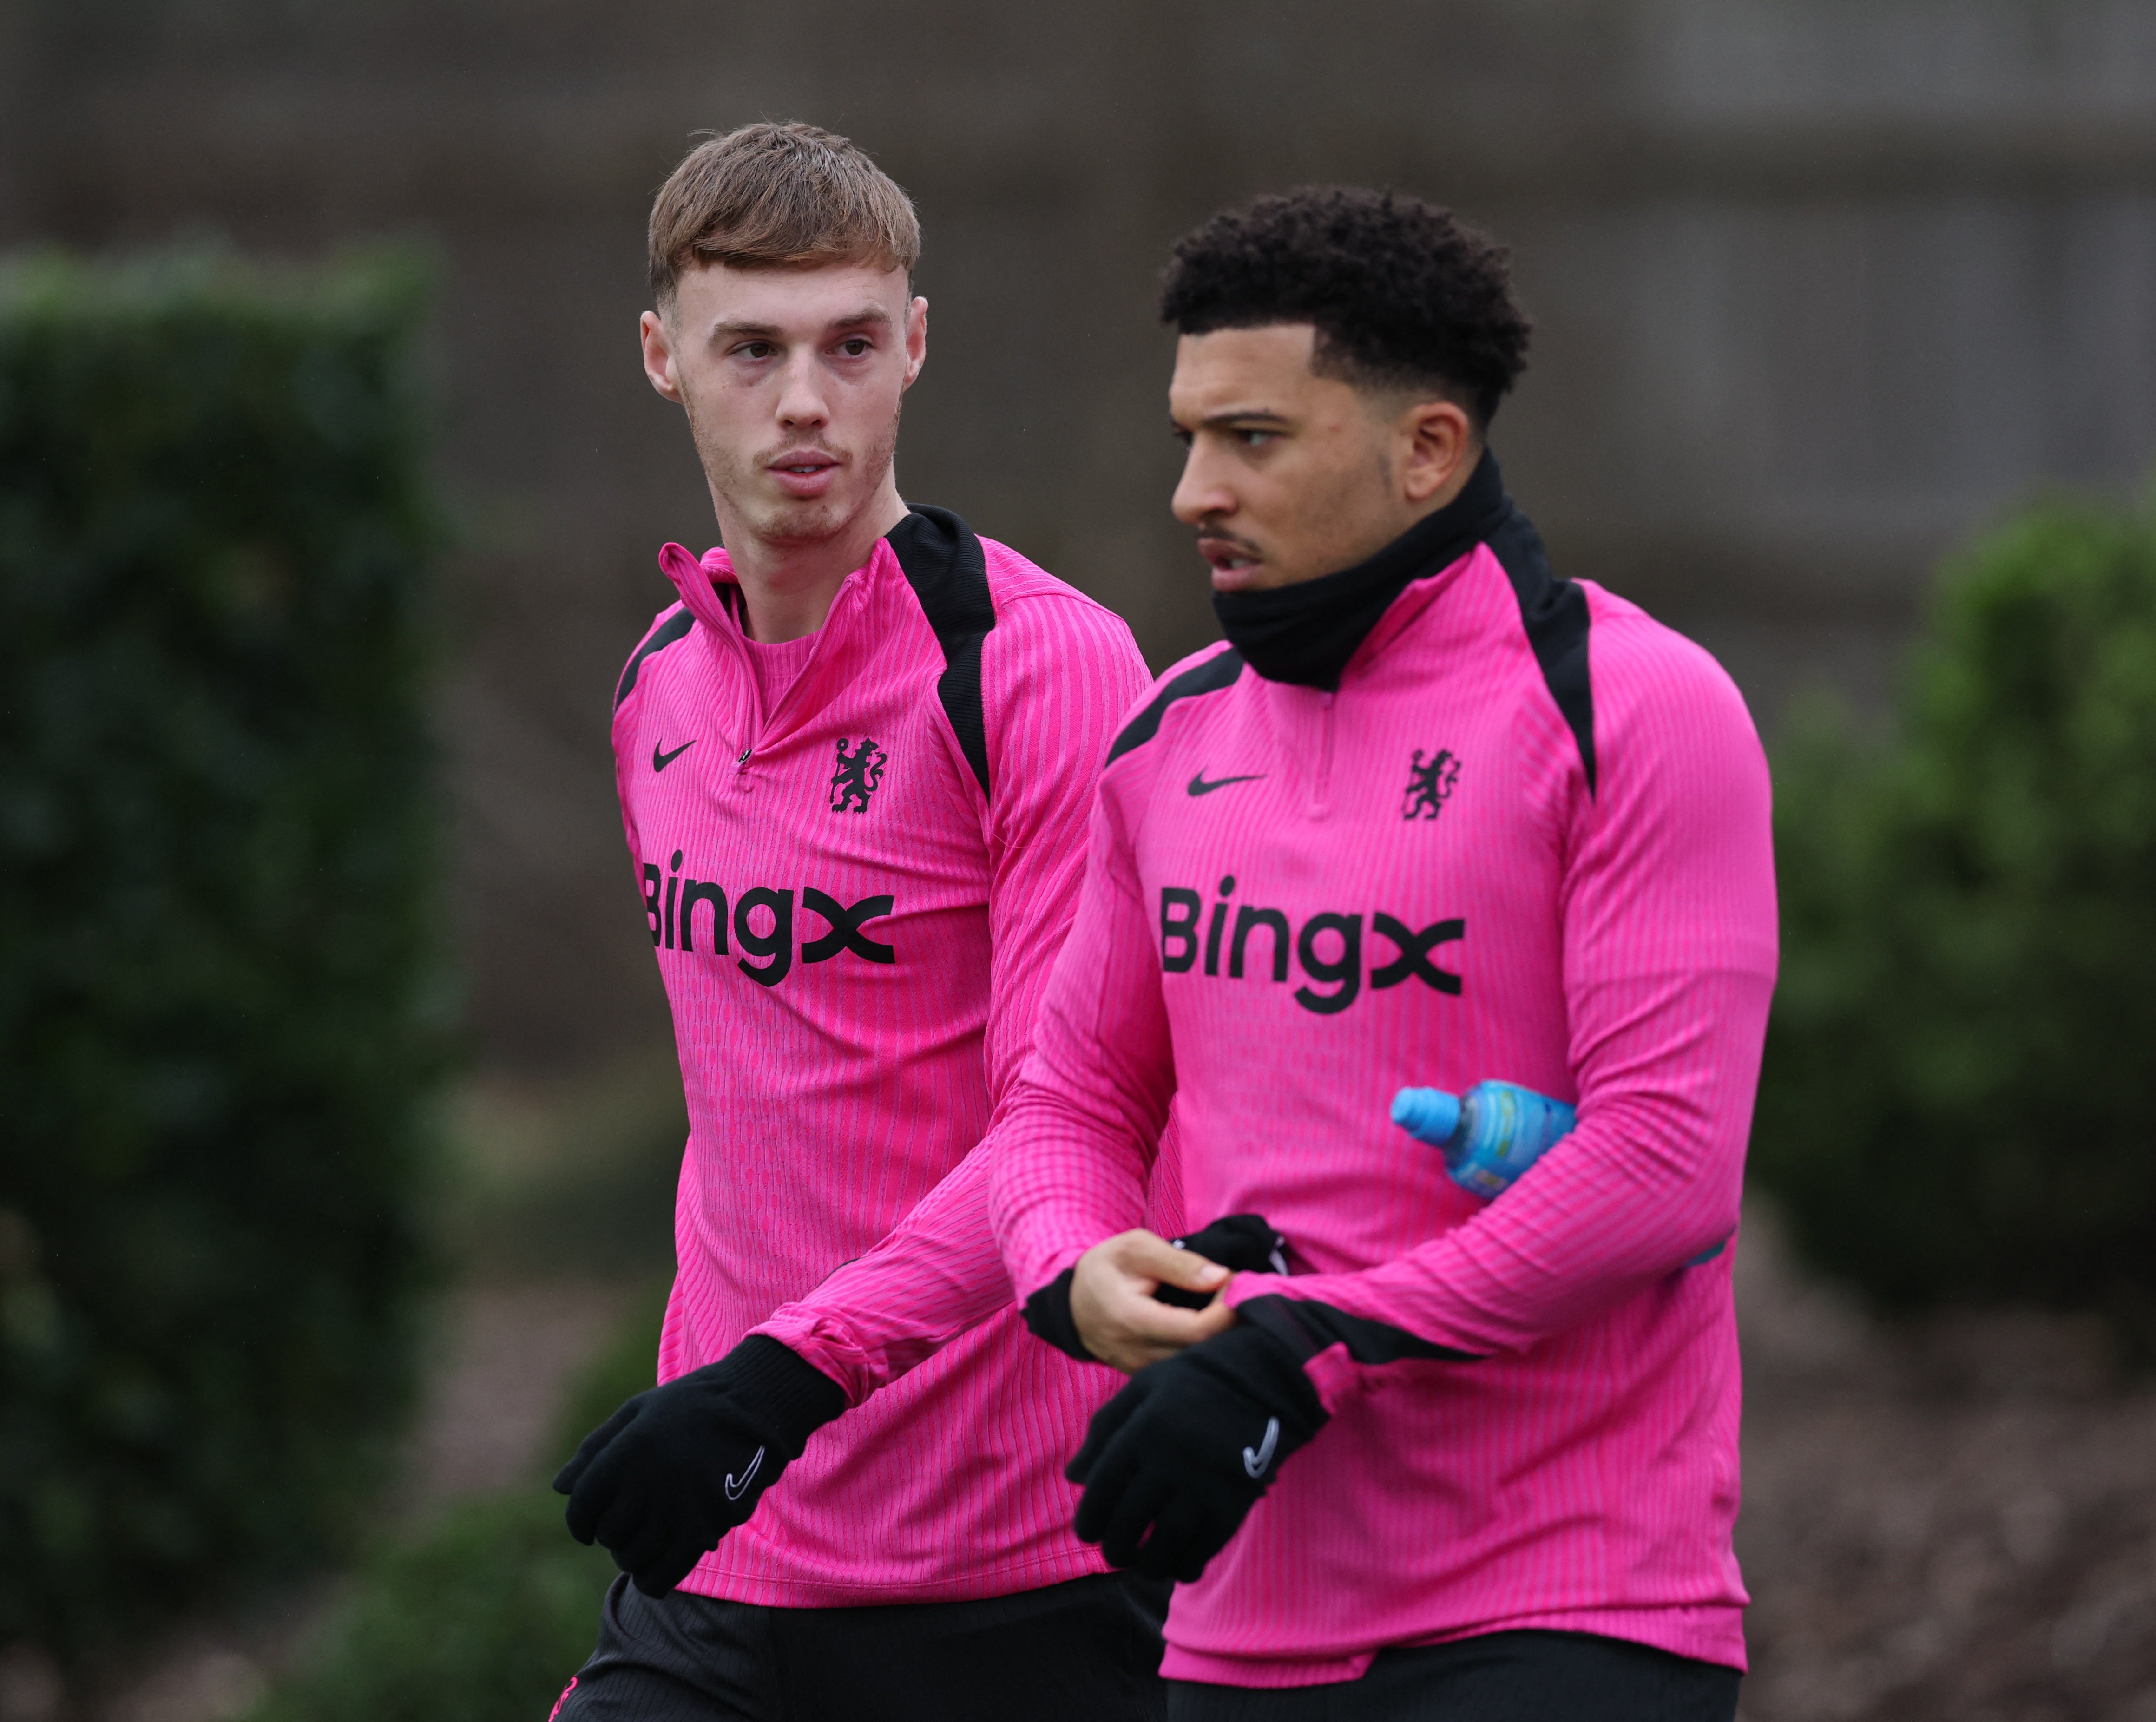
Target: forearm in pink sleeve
{"type": "Point", "coordinates": [1079, 1137]}
{"type": "Point", "coordinates": [1669, 967]}
{"type": "Point", "coordinates": [937, 1275]}
{"type": "Point", "coordinates": [1068, 1164]}
{"type": "Point", "coordinates": [1650, 1179]}
{"type": "Point", "coordinates": [1059, 673]}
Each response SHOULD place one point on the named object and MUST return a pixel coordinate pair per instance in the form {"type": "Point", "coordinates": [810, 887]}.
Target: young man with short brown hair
{"type": "Point", "coordinates": [855, 762]}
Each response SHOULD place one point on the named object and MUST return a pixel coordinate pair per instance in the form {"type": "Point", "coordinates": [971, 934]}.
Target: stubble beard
{"type": "Point", "coordinates": [1346, 523]}
{"type": "Point", "coordinates": [738, 485]}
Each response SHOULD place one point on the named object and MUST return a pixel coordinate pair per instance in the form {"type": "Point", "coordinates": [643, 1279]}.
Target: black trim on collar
{"type": "Point", "coordinates": [945, 565]}
{"type": "Point", "coordinates": [674, 627]}
{"type": "Point", "coordinates": [1305, 633]}
{"type": "Point", "coordinates": [1217, 672]}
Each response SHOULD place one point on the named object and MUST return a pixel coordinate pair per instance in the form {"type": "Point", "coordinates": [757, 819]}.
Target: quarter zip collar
{"type": "Point", "coordinates": [708, 586]}
{"type": "Point", "coordinates": [711, 593]}
{"type": "Point", "coordinates": [1305, 633]}
{"type": "Point", "coordinates": [697, 581]}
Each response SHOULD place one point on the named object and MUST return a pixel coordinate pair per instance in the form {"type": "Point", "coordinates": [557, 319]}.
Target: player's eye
{"type": "Point", "coordinates": [856, 348]}
{"type": "Point", "coordinates": [1254, 439]}
{"type": "Point", "coordinates": [756, 350]}
{"type": "Point", "coordinates": [1181, 436]}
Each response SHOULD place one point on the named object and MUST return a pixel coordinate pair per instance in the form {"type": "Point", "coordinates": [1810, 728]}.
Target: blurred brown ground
{"type": "Point", "coordinates": [1951, 1523]}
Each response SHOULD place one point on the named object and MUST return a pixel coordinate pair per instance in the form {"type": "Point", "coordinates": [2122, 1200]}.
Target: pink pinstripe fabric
{"type": "Point", "coordinates": [1617, 949]}
{"type": "Point", "coordinates": [776, 666]}
{"type": "Point", "coordinates": [826, 1099]}
{"type": "Point", "coordinates": [939, 1274]}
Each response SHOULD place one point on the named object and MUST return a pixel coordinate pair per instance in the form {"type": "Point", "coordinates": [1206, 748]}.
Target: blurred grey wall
{"type": "Point", "coordinates": [1821, 286]}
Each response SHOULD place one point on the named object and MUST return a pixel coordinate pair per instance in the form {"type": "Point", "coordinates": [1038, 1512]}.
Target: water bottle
{"type": "Point", "coordinates": [1492, 1134]}
{"type": "Point", "coordinates": [1489, 1136]}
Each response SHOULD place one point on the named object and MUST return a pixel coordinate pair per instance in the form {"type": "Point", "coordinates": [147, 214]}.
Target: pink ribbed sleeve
{"type": "Point", "coordinates": [1668, 899]}
{"type": "Point", "coordinates": [1092, 1101]}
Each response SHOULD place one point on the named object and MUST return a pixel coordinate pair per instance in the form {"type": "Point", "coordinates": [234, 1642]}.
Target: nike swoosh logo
{"type": "Point", "coordinates": [1198, 786]}
{"type": "Point", "coordinates": [735, 1490]}
{"type": "Point", "coordinates": [661, 761]}
{"type": "Point", "coordinates": [1256, 1462]}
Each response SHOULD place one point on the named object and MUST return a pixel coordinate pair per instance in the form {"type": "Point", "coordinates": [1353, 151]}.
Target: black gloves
{"type": "Point", "coordinates": [675, 1469]}
{"type": "Point", "coordinates": [1245, 1243]}
{"type": "Point", "coordinates": [1173, 1464]}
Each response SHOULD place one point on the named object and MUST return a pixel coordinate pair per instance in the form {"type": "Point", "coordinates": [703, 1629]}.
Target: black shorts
{"type": "Point", "coordinates": [1503, 1677]}
{"type": "Point", "coordinates": [1089, 1648]}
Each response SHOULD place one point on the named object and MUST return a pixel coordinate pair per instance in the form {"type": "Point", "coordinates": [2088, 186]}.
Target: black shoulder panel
{"type": "Point", "coordinates": [1555, 614]}
{"type": "Point", "coordinates": [1311, 1327]}
{"type": "Point", "coordinates": [1209, 677]}
{"type": "Point", "coordinates": [674, 628]}
{"type": "Point", "coordinates": [949, 575]}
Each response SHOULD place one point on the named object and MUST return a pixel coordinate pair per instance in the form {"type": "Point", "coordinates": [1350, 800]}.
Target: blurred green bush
{"type": "Point", "coordinates": [221, 1015]}
{"type": "Point", "coordinates": [1959, 1096]}
{"type": "Point", "coordinates": [485, 1614]}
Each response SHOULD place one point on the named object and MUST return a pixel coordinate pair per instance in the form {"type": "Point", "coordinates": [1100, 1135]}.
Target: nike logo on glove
{"type": "Point", "coordinates": [736, 1489]}
{"type": "Point", "coordinates": [661, 761]}
{"type": "Point", "coordinates": [1255, 1460]}
{"type": "Point", "coordinates": [1198, 786]}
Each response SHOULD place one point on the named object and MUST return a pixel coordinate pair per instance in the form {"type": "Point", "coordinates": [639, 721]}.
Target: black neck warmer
{"type": "Point", "coordinates": [1305, 633]}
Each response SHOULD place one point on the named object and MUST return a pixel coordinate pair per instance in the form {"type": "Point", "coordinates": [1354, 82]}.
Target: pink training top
{"type": "Point", "coordinates": [776, 665]}
{"type": "Point", "coordinates": [1528, 839]}
{"type": "Point", "coordinates": [855, 896]}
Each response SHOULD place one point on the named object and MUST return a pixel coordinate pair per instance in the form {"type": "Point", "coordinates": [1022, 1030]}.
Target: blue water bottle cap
{"type": "Point", "coordinates": [1428, 1114]}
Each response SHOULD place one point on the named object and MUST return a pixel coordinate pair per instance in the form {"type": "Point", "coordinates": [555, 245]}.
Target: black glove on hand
{"type": "Point", "coordinates": [1173, 1464]}
{"type": "Point", "coordinates": [675, 1469]}
{"type": "Point", "coordinates": [1245, 1243]}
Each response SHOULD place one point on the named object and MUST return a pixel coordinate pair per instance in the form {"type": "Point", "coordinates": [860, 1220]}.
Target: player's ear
{"type": "Point", "coordinates": [916, 339]}
{"type": "Point", "coordinates": [1435, 440]}
{"type": "Point", "coordinates": [658, 341]}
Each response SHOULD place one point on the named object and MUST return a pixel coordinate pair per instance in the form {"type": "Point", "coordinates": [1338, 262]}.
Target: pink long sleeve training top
{"type": "Point", "coordinates": [858, 858]}
{"type": "Point", "coordinates": [1527, 838]}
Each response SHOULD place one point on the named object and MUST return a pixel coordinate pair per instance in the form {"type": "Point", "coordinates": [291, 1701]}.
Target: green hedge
{"type": "Point", "coordinates": [1959, 1098]}
{"type": "Point", "coordinates": [220, 1008]}
{"type": "Point", "coordinates": [483, 1618]}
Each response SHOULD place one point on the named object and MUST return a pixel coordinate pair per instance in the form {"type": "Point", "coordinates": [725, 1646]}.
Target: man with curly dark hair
{"type": "Point", "coordinates": [1430, 815]}
{"type": "Point", "coordinates": [1404, 297]}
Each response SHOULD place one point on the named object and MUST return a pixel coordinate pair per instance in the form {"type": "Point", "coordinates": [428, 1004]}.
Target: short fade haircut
{"type": "Point", "coordinates": [778, 196]}
{"type": "Point", "coordinates": [1403, 293]}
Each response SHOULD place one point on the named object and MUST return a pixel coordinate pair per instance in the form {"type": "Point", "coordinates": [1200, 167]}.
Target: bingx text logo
{"type": "Point", "coordinates": [1327, 948]}
{"type": "Point", "coordinates": [761, 925]}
